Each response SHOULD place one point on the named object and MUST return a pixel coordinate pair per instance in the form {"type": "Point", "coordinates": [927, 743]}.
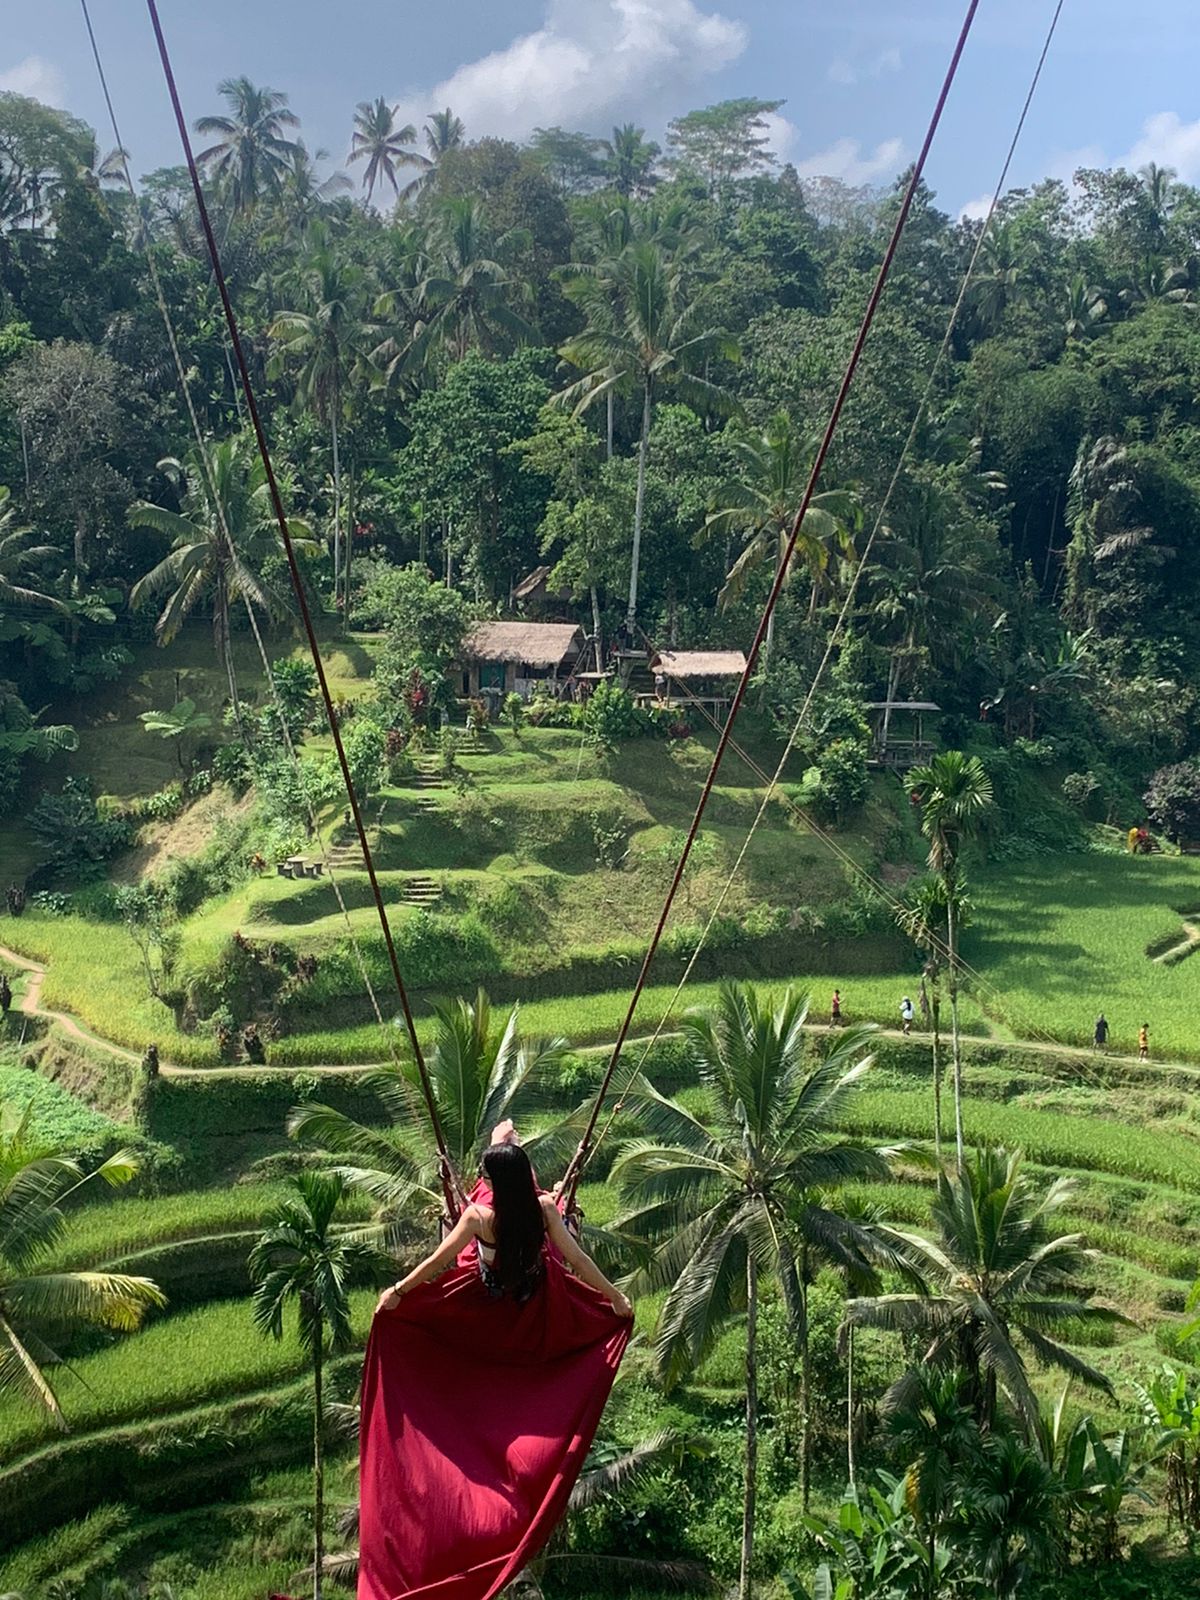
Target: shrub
{"type": "Point", "coordinates": [479, 714]}
{"type": "Point", "coordinates": [611, 715]}
{"type": "Point", "coordinates": [1173, 800]}
{"type": "Point", "coordinates": [295, 684]}
{"type": "Point", "coordinates": [231, 765]}
{"type": "Point", "coordinates": [75, 832]}
{"type": "Point", "coordinates": [546, 711]}
{"type": "Point", "coordinates": [514, 711]}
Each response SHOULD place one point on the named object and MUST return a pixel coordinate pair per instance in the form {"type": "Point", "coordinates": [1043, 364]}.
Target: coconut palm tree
{"type": "Point", "coordinates": [251, 152]}
{"type": "Point", "coordinates": [468, 296]}
{"type": "Point", "coordinates": [956, 793]}
{"type": "Point", "coordinates": [1084, 307]}
{"type": "Point", "coordinates": [761, 503]}
{"type": "Point", "coordinates": [18, 557]}
{"type": "Point", "coordinates": [443, 132]}
{"type": "Point", "coordinates": [302, 1256]}
{"type": "Point", "coordinates": [37, 1182]}
{"type": "Point", "coordinates": [1004, 273]}
{"type": "Point", "coordinates": [324, 340]}
{"type": "Point", "coordinates": [921, 917]}
{"type": "Point", "coordinates": [629, 161]}
{"type": "Point", "coordinates": [482, 1071]}
{"type": "Point", "coordinates": [382, 144]}
{"type": "Point", "coordinates": [725, 1201]}
{"type": "Point", "coordinates": [993, 1281]}
{"type": "Point", "coordinates": [220, 537]}
{"type": "Point", "coordinates": [644, 333]}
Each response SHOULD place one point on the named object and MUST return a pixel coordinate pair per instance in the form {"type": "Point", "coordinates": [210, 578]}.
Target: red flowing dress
{"type": "Point", "coordinates": [477, 1415]}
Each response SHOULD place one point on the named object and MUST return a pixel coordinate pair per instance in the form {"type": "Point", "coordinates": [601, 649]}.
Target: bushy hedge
{"type": "Point", "coordinates": [192, 1271]}
{"type": "Point", "coordinates": [224, 1105]}
{"type": "Point", "coordinates": [167, 1464]}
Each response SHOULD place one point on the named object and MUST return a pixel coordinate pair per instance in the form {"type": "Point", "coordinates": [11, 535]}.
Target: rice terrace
{"type": "Point", "coordinates": [599, 802]}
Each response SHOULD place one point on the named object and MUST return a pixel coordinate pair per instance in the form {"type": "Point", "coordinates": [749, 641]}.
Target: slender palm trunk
{"type": "Point", "coordinates": [638, 508]}
{"type": "Point", "coordinates": [224, 643]}
{"type": "Point", "coordinates": [850, 1405]}
{"type": "Point", "coordinates": [337, 506]}
{"type": "Point", "coordinates": [608, 428]}
{"type": "Point", "coordinates": [805, 1384]}
{"type": "Point", "coordinates": [936, 1008]}
{"type": "Point", "coordinates": [955, 1045]}
{"type": "Point", "coordinates": [889, 697]}
{"type": "Point", "coordinates": [597, 641]}
{"type": "Point", "coordinates": [318, 1457]}
{"type": "Point", "coordinates": [751, 1482]}
{"type": "Point", "coordinates": [349, 549]}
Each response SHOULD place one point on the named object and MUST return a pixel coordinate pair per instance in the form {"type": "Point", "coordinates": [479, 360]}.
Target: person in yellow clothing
{"type": "Point", "coordinates": [1144, 1042]}
{"type": "Point", "coordinates": [1132, 837]}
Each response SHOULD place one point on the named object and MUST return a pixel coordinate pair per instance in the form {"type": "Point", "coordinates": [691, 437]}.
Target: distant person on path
{"type": "Point", "coordinates": [1100, 1032]}
{"type": "Point", "coordinates": [1144, 1042]}
{"type": "Point", "coordinates": [906, 1016]}
{"type": "Point", "coordinates": [835, 1009]}
{"type": "Point", "coordinates": [5, 994]}
{"type": "Point", "coordinates": [1132, 838]}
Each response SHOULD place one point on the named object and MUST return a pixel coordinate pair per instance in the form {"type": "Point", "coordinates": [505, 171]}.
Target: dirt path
{"type": "Point", "coordinates": [29, 1005]}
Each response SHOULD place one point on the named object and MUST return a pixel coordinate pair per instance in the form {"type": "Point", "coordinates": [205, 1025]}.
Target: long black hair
{"type": "Point", "coordinates": [520, 1226]}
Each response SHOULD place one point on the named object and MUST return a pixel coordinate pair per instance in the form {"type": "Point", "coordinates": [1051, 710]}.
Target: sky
{"type": "Point", "coordinates": [858, 78]}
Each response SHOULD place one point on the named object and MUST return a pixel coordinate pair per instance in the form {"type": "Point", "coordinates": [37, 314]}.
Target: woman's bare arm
{"type": "Point", "coordinates": [577, 1258]}
{"type": "Point", "coordinates": [436, 1262]}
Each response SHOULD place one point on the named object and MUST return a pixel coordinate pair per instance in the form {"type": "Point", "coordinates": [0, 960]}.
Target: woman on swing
{"type": "Point", "coordinates": [510, 1223]}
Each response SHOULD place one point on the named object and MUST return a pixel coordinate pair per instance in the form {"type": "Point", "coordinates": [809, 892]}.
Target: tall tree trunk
{"type": "Point", "coordinates": [850, 1405]}
{"type": "Point", "coordinates": [349, 550]}
{"type": "Point", "coordinates": [81, 561]}
{"type": "Point", "coordinates": [318, 1458]}
{"type": "Point", "coordinates": [638, 509]}
{"type": "Point", "coordinates": [337, 505]}
{"type": "Point", "coordinates": [935, 1007]}
{"type": "Point", "coordinates": [597, 641]}
{"type": "Point", "coordinates": [805, 1383]}
{"type": "Point", "coordinates": [224, 644]}
{"type": "Point", "coordinates": [750, 1489]}
{"type": "Point", "coordinates": [892, 685]}
{"type": "Point", "coordinates": [956, 1046]}
{"type": "Point", "coordinates": [608, 428]}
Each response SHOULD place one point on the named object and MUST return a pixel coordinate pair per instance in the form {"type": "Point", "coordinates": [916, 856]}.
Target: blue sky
{"type": "Point", "coordinates": [858, 76]}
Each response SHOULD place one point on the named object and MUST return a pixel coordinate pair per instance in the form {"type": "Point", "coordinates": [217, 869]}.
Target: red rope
{"type": "Point", "coordinates": [447, 1173]}
{"type": "Point", "coordinates": [571, 1181]}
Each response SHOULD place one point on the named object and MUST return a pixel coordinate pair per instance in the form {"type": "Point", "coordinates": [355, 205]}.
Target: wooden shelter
{"type": "Point", "coordinates": [684, 676]}
{"type": "Point", "coordinates": [898, 729]}
{"type": "Point", "coordinates": [502, 658]}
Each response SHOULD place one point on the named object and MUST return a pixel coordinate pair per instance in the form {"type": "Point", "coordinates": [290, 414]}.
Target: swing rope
{"type": "Point", "coordinates": [571, 1181]}
{"type": "Point", "coordinates": [450, 1186]}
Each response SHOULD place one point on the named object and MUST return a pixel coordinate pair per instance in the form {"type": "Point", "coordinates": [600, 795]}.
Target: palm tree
{"type": "Point", "coordinates": [955, 793]}
{"type": "Point", "coordinates": [762, 503]}
{"type": "Point", "coordinates": [629, 160]}
{"type": "Point", "coordinates": [302, 1256]}
{"type": "Point", "coordinates": [381, 144]}
{"type": "Point", "coordinates": [251, 152]}
{"type": "Point", "coordinates": [482, 1071]}
{"type": "Point", "coordinates": [1085, 306]}
{"type": "Point", "coordinates": [920, 917]}
{"type": "Point", "coordinates": [325, 338]}
{"type": "Point", "coordinates": [469, 294]}
{"type": "Point", "coordinates": [644, 333]}
{"type": "Point", "coordinates": [220, 537]}
{"type": "Point", "coordinates": [1159, 188]}
{"type": "Point", "coordinates": [181, 722]}
{"type": "Point", "coordinates": [17, 557]}
{"type": "Point", "coordinates": [1004, 273]}
{"type": "Point", "coordinates": [443, 132]}
{"type": "Point", "coordinates": [1104, 507]}
{"type": "Point", "coordinates": [723, 1201]}
{"type": "Point", "coordinates": [36, 1184]}
{"type": "Point", "coordinates": [992, 1281]}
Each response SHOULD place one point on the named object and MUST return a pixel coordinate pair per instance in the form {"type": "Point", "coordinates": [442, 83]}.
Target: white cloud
{"type": "Point", "coordinates": [847, 71]}
{"type": "Point", "coordinates": [36, 77]}
{"type": "Point", "coordinates": [846, 160]}
{"type": "Point", "coordinates": [975, 210]}
{"type": "Point", "coordinates": [1168, 141]}
{"type": "Point", "coordinates": [781, 135]}
{"type": "Point", "coordinates": [590, 61]}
